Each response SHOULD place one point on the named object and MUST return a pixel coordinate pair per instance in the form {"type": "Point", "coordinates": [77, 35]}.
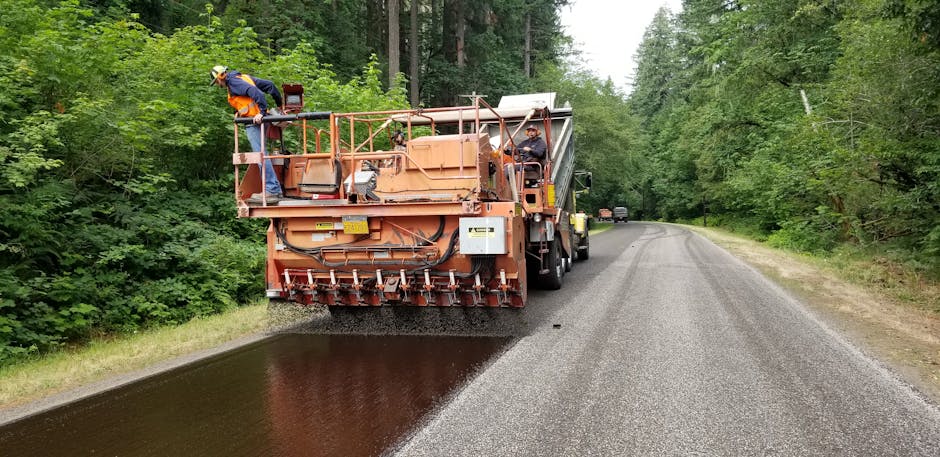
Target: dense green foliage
{"type": "Point", "coordinates": [115, 188]}
{"type": "Point", "coordinates": [347, 32]}
{"type": "Point", "coordinates": [605, 134]}
{"type": "Point", "coordinates": [726, 131]}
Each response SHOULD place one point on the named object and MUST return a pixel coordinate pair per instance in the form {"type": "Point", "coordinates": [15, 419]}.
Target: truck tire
{"type": "Point", "coordinates": [584, 254]}
{"type": "Point", "coordinates": [569, 260]}
{"type": "Point", "coordinates": [556, 269]}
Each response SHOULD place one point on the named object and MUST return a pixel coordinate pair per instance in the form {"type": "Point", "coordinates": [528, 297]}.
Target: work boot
{"type": "Point", "coordinates": [256, 198]}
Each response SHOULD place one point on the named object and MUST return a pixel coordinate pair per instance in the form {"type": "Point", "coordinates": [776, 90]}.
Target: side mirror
{"type": "Point", "coordinates": [583, 179]}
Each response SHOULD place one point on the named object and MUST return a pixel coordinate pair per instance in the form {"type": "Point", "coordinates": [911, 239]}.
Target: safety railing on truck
{"type": "Point", "coordinates": [257, 157]}
{"type": "Point", "coordinates": [345, 147]}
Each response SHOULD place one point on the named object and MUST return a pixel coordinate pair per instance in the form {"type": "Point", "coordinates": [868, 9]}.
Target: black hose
{"type": "Point", "coordinates": [420, 266]}
{"type": "Point", "coordinates": [314, 116]}
{"type": "Point", "coordinates": [436, 236]}
{"type": "Point", "coordinates": [478, 263]}
{"type": "Point", "coordinates": [315, 252]}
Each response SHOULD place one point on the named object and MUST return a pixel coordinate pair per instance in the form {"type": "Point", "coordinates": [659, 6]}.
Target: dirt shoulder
{"type": "Point", "coordinates": [905, 339]}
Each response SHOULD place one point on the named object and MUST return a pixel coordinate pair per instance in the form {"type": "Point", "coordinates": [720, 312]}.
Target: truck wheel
{"type": "Point", "coordinates": [569, 260]}
{"type": "Point", "coordinates": [556, 268]}
{"type": "Point", "coordinates": [584, 254]}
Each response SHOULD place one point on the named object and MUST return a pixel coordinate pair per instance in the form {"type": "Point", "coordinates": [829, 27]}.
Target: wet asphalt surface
{"type": "Point", "coordinates": [295, 394]}
{"type": "Point", "coordinates": [668, 345]}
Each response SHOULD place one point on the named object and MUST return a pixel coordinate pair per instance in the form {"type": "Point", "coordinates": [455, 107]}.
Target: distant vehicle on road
{"type": "Point", "coordinates": [605, 215]}
{"type": "Point", "coordinates": [620, 214]}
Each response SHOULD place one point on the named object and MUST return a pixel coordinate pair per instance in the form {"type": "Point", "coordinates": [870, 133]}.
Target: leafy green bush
{"type": "Point", "coordinates": [116, 208]}
{"type": "Point", "coordinates": [815, 236]}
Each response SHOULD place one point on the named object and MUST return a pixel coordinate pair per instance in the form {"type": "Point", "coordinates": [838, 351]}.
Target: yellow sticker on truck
{"type": "Point", "coordinates": [355, 225]}
{"type": "Point", "coordinates": [324, 226]}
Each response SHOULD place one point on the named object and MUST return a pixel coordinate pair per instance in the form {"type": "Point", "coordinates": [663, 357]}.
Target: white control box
{"type": "Point", "coordinates": [483, 235]}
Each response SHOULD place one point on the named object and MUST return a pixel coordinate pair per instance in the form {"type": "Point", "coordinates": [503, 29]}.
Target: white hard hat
{"type": "Point", "coordinates": [217, 72]}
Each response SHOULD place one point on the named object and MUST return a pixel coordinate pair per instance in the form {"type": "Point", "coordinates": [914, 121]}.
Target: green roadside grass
{"type": "Point", "coordinates": [600, 227]}
{"type": "Point", "coordinates": [102, 358]}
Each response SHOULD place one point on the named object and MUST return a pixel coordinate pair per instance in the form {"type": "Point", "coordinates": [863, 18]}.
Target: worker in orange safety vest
{"type": "Point", "coordinates": [246, 95]}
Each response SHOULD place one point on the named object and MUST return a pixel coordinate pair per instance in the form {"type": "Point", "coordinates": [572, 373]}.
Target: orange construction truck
{"type": "Point", "coordinates": [446, 220]}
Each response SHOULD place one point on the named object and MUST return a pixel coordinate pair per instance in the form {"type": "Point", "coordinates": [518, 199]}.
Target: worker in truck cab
{"type": "Point", "coordinates": [531, 149]}
{"type": "Point", "coordinates": [246, 95]}
{"type": "Point", "coordinates": [398, 141]}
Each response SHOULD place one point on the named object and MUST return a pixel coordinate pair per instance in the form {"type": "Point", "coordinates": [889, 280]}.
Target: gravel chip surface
{"type": "Point", "coordinates": [664, 344]}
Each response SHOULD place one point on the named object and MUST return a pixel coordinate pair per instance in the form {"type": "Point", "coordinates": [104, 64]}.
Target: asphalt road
{"type": "Point", "coordinates": [668, 345]}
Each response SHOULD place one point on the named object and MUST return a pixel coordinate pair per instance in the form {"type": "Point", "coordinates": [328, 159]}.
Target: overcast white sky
{"type": "Point", "coordinates": [608, 32]}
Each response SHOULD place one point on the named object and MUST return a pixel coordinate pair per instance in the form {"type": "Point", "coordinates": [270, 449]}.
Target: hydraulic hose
{"type": "Point", "coordinates": [315, 252]}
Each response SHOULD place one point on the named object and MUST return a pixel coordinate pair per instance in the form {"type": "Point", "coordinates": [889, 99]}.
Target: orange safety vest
{"type": "Point", "coordinates": [244, 105]}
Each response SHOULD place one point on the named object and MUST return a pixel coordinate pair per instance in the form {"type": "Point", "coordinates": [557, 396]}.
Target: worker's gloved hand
{"type": "Point", "coordinates": [257, 119]}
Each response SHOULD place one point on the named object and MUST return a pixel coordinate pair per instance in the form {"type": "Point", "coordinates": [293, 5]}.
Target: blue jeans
{"type": "Point", "coordinates": [271, 184]}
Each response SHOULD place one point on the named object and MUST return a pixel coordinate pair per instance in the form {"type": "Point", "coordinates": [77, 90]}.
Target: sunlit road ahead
{"type": "Point", "coordinates": [670, 346]}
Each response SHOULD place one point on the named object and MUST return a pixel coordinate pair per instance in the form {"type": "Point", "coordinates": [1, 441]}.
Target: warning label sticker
{"type": "Point", "coordinates": [481, 232]}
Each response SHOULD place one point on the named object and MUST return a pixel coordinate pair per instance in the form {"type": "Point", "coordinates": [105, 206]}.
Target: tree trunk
{"type": "Point", "coordinates": [448, 30]}
{"type": "Point", "coordinates": [461, 34]}
{"type": "Point", "coordinates": [394, 42]}
{"type": "Point", "coordinates": [375, 36]}
{"type": "Point", "coordinates": [413, 71]}
{"type": "Point", "coordinates": [528, 45]}
{"type": "Point", "coordinates": [437, 22]}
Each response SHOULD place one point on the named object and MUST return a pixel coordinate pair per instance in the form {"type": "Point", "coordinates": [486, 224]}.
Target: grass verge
{"type": "Point", "coordinates": [600, 227]}
{"type": "Point", "coordinates": [30, 380]}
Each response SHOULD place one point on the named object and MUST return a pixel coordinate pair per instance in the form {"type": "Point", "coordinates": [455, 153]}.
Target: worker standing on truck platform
{"type": "Point", "coordinates": [246, 95]}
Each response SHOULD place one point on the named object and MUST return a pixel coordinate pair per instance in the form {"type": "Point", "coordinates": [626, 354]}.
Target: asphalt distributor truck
{"type": "Point", "coordinates": [446, 219]}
